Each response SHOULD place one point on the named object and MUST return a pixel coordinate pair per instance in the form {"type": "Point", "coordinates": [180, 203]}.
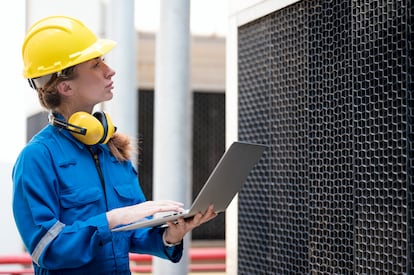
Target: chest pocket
{"type": "Point", "coordinates": [80, 203]}
{"type": "Point", "coordinates": [127, 193]}
{"type": "Point", "coordinates": [79, 197]}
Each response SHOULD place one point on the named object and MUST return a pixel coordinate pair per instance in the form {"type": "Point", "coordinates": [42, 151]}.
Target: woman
{"type": "Point", "coordinates": [74, 181]}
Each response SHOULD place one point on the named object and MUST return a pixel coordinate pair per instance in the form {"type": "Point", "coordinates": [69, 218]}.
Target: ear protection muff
{"type": "Point", "coordinates": [88, 129]}
{"type": "Point", "coordinates": [108, 126]}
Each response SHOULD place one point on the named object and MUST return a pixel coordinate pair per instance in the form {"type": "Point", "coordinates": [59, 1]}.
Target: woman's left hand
{"type": "Point", "coordinates": [176, 230]}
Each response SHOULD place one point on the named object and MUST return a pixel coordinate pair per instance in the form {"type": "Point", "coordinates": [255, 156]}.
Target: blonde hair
{"type": "Point", "coordinates": [121, 147]}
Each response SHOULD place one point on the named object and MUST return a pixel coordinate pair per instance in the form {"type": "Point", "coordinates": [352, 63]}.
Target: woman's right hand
{"type": "Point", "coordinates": [129, 214]}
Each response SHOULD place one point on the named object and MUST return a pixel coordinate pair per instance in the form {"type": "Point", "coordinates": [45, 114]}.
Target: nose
{"type": "Point", "coordinates": [109, 72]}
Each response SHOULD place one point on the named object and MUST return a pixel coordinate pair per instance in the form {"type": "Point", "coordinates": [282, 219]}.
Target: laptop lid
{"type": "Point", "coordinates": [228, 177]}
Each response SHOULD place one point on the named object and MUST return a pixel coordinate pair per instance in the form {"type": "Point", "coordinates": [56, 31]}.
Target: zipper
{"type": "Point", "coordinates": [100, 174]}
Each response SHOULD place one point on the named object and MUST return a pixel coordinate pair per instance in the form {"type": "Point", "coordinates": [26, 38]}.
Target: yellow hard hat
{"type": "Point", "coordinates": [58, 42]}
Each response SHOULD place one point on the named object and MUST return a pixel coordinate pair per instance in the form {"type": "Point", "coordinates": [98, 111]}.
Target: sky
{"type": "Point", "coordinates": [208, 17]}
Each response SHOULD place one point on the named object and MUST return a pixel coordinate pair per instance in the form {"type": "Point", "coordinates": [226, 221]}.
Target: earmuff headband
{"type": "Point", "coordinates": [67, 126]}
{"type": "Point", "coordinates": [88, 129]}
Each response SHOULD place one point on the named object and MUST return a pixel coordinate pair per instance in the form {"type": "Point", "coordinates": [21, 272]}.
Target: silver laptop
{"type": "Point", "coordinates": [220, 188]}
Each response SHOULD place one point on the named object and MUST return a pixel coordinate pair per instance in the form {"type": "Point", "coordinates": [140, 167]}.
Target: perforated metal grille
{"type": "Point", "coordinates": [380, 121]}
{"type": "Point", "coordinates": [254, 108]}
{"type": "Point", "coordinates": [329, 89]}
{"type": "Point", "coordinates": [410, 133]}
{"type": "Point", "coordinates": [208, 147]}
{"type": "Point", "coordinates": [328, 84]}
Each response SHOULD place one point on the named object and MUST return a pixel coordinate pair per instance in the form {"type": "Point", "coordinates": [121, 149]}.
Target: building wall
{"type": "Point", "coordinates": [207, 66]}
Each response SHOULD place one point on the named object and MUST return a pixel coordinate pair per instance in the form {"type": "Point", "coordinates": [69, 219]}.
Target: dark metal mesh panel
{"type": "Point", "coordinates": [328, 84]}
{"type": "Point", "coordinates": [380, 137]}
{"type": "Point", "coordinates": [254, 107]}
{"type": "Point", "coordinates": [208, 146]}
{"type": "Point", "coordinates": [146, 140]}
{"type": "Point", "coordinates": [410, 132]}
{"type": "Point", "coordinates": [329, 89]}
{"type": "Point", "coordinates": [290, 222]}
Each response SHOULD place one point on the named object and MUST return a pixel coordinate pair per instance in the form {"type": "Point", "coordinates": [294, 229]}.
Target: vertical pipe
{"type": "Point", "coordinates": [172, 118]}
{"type": "Point", "coordinates": [231, 135]}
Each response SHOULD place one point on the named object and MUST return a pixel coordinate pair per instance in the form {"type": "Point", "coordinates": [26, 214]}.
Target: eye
{"type": "Point", "coordinates": [96, 64]}
{"type": "Point", "coordinates": [98, 61]}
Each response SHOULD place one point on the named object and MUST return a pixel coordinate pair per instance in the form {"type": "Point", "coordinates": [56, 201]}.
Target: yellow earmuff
{"type": "Point", "coordinates": [109, 128]}
{"type": "Point", "coordinates": [87, 128]}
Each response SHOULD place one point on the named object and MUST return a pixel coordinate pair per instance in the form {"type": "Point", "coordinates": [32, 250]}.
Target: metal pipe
{"type": "Point", "coordinates": [172, 118]}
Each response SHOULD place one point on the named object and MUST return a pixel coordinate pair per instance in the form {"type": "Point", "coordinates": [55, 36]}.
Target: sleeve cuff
{"type": "Point", "coordinates": [167, 244]}
{"type": "Point", "coordinates": [104, 232]}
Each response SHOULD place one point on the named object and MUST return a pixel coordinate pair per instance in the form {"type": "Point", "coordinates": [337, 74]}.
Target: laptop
{"type": "Point", "coordinates": [223, 184]}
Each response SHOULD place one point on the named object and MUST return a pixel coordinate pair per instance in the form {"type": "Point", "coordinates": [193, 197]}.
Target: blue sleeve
{"type": "Point", "coordinates": [149, 241]}
{"type": "Point", "coordinates": [52, 244]}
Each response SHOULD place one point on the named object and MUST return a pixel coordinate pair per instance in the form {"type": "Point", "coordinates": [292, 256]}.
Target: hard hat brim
{"type": "Point", "coordinates": [99, 48]}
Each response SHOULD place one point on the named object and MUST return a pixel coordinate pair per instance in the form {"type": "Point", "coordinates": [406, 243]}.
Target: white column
{"type": "Point", "coordinates": [172, 118]}
{"type": "Point", "coordinates": [123, 108]}
{"type": "Point", "coordinates": [231, 135]}
{"type": "Point", "coordinates": [12, 115]}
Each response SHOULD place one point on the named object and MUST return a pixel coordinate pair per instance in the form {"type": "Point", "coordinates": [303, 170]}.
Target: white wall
{"type": "Point", "coordinates": [12, 114]}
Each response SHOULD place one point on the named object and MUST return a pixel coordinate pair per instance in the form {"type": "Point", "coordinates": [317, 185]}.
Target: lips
{"type": "Point", "coordinates": [110, 85]}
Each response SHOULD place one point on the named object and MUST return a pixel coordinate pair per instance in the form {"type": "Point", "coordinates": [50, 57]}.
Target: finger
{"type": "Point", "coordinates": [210, 214]}
{"type": "Point", "coordinates": [153, 207]}
{"type": "Point", "coordinates": [197, 219]}
{"type": "Point", "coordinates": [168, 203]}
{"type": "Point", "coordinates": [172, 224]}
{"type": "Point", "coordinates": [180, 221]}
{"type": "Point", "coordinates": [173, 206]}
{"type": "Point", "coordinates": [210, 208]}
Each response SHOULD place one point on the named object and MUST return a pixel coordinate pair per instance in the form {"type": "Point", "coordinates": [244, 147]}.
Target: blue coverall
{"type": "Point", "coordinates": [59, 205]}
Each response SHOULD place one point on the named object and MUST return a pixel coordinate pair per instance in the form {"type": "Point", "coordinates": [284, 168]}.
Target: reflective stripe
{"type": "Point", "coordinates": [46, 239]}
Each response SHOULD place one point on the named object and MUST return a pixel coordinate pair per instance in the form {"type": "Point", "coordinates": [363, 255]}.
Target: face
{"type": "Point", "coordinates": [93, 84]}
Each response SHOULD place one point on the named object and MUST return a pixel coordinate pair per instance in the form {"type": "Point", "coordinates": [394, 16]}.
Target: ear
{"type": "Point", "coordinates": [64, 88]}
